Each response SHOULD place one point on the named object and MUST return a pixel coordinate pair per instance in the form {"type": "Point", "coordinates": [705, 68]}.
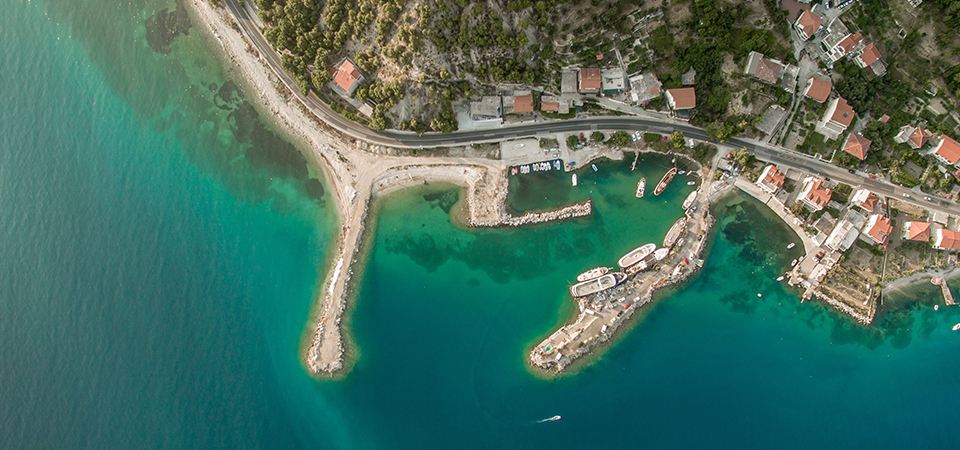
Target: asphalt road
{"type": "Point", "coordinates": [781, 157]}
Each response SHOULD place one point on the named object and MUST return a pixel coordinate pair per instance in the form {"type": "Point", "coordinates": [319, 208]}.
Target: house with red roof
{"type": "Point", "coordinates": [523, 103]}
{"type": "Point", "coordinates": [347, 78]}
{"type": "Point", "coordinates": [838, 41]}
{"type": "Point", "coordinates": [682, 98]}
{"type": "Point", "coordinates": [807, 24]}
{"type": "Point", "coordinates": [818, 90]}
{"type": "Point", "coordinates": [771, 179]}
{"type": "Point", "coordinates": [877, 230]}
{"type": "Point", "coordinates": [838, 117]}
{"type": "Point", "coordinates": [815, 194]}
{"type": "Point", "coordinates": [945, 239]}
{"type": "Point", "coordinates": [947, 150]}
{"type": "Point", "coordinates": [590, 80]}
{"type": "Point", "coordinates": [866, 200]}
{"type": "Point", "coordinates": [869, 59]}
{"type": "Point", "coordinates": [857, 145]}
{"type": "Point", "coordinates": [763, 68]}
{"type": "Point", "coordinates": [915, 137]}
{"type": "Point", "coordinates": [916, 231]}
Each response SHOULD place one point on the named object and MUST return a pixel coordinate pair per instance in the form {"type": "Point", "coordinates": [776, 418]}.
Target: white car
{"type": "Point", "coordinates": [906, 195]}
{"type": "Point", "coordinates": [519, 145]}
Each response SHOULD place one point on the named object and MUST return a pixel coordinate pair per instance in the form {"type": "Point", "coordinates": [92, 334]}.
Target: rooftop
{"type": "Point", "coordinates": [809, 23]}
{"type": "Point", "coordinates": [488, 106]}
{"type": "Point", "coordinates": [683, 98]}
{"type": "Point", "coordinates": [568, 82]}
{"type": "Point", "coordinates": [870, 54]}
{"type": "Point", "coordinates": [590, 79]}
{"type": "Point", "coordinates": [851, 41]}
{"type": "Point", "coordinates": [765, 69]}
{"type": "Point", "coordinates": [879, 228]}
{"type": "Point", "coordinates": [865, 199]}
{"type": "Point", "coordinates": [843, 114]}
{"type": "Point", "coordinates": [818, 89]}
{"type": "Point", "coordinates": [857, 145]}
{"type": "Point", "coordinates": [948, 149]}
{"type": "Point", "coordinates": [347, 76]}
{"type": "Point", "coordinates": [773, 177]}
{"type": "Point", "coordinates": [818, 194]}
{"type": "Point", "coordinates": [523, 103]}
{"type": "Point", "coordinates": [917, 231]}
{"type": "Point", "coordinates": [947, 239]}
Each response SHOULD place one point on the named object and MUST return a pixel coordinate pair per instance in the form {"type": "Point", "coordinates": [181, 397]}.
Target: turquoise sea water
{"type": "Point", "coordinates": [161, 245]}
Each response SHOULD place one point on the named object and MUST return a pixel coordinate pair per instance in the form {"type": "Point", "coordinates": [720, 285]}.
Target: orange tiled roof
{"type": "Point", "coordinates": [346, 75]}
{"type": "Point", "coordinates": [810, 22]}
{"type": "Point", "coordinates": [818, 194]}
{"type": "Point", "coordinates": [919, 137]}
{"type": "Point", "coordinates": [590, 78]}
{"type": "Point", "coordinates": [949, 239]}
{"type": "Point", "coordinates": [550, 106]}
{"type": "Point", "coordinates": [683, 98]}
{"type": "Point", "coordinates": [885, 118]}
{"type": "Point", "coordinates": [844, 113]}
{"type": "Point", "coordinates": [819, 90]}
{"type": "Point", "coordinates": [851, 41]}
{"type": "Point", "coordinates": [523, 103]}
{"type": "Point", "coordinates": [775, 177]}
{"type": "Point", "coordinates": [918, 231]}
{"type": "Point", "coordinates": [949, 149]}
{"type": "Point", "coordinates": [881, 229]}
{"type": "Point", "coordinates": [857, 146]}
{"type": "Point", "coordinates": [870, 54]}
{"type": "Point", "coordinates": [767, 71]}
{"type": "Point", "coordinates": [869, 201]}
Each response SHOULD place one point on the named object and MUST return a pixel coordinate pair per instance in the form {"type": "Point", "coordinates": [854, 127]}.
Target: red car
{"type": "Point", "coordinates": [872, 176]}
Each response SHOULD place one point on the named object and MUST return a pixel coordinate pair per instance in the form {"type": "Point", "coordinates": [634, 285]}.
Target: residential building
{"type": "Point", "coordinates": [568, 81]}
{"type": "Point", "coordinates": [555, 104]}
{"type": "Point", "coordinates": [877, 230]}
{"type": "Point", "coordinates": [915, 137]}
{"type": "Point", "coordinates": [682, 99]}
{"type": "Point", "coordinates": [815, 195]}
{"type": "Point", "coordinates": [947, 150]}
{"type": "Point", "coordinates": [644, 87]}
{"type": "Point", "coordinates": [842, 236]}
{"type": "Point", "coordinates": [612, 81]}
{"type": "Point", "coordinates": [347, 78]}
{"type": "Point", "coordinates": [771, 179]}
{"type": "Point", "coordinates": [945, 239]}
{"type": "Point", "coordinates": [807, 24]}
{"type": "Point", "coordinates": [839, 116]}
{"type": "Point", "coordinates": [590, 80]}
{"type": "Point", "coordinates": [857, 145]}
{"type": "Point", "coordinates": [838, 41]}
{"type": "Point", "coordinates": [916, 231]}
{"type": "Point", "coordinates": [763, 68]}
{"type": "Point", "coordinates": [818, 89]}
{"type": "Point", "coordinates": [866, 200]}
{"type": "Point", "coordinates": [867, 56]}
{"type": "Point", "coordinates": [523, 103]}
{"type": "Point", "coordinates": [487, 108]}
{"type": "Point", "coordinates": [885, 118]}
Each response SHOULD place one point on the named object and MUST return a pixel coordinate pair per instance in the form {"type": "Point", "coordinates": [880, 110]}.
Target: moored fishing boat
{"type": "Point", "coordinates": [661, 253]}
{"type": "Point", "coordinates": [596, 272]}
{"type": "Point", "coordinates": [636, 255]}
{"type": "Point", "coordinates": [574, 179]}
{"type": "Point", "coordinates": [641, 187]}
{"type": "Point", "coordinates": [667, 178]}
{"type": "Point", "coordinates": [689, 200]}
{"type": "Point", "coordinates": [597, 284]}
{"type": "Point", "coordinates": [792, 245]}
{"type": "Point", "coordinates": [674, 233]}
{"type": "Point", "coordinates": [956, 327]}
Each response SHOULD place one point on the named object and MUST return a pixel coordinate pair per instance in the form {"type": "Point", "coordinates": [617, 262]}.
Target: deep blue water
{"type": "Point", "coordinates": [160, 246]}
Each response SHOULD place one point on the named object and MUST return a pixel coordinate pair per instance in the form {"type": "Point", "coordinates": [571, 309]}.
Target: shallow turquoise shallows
{"type": "Point", "coordinates": [160, 246]}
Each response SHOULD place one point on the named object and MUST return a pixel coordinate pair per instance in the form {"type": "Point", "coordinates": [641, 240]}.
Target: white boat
{"type": "Point", "coordinates": [780, 278]}
{"type": "Point", "coordinates": [661, 253]}
{"type": "Point", "coordinates": [936, 307]}
{"type": "Point", "coordinates": [552, 419]}
{"type": "Point", "coordinates": [597, 284]}
{"type": "Point", "coordinates": [794, 263]}
{"type": "Point", "coordinates": [594, 167]}
{"type": "Point", "coordinates": [636, 255]}
{"type": "Point", "coordinates": [689, 201]}
{"type": "Point", "coordinates": [574, 179]}
{"type": "Point", "coordinates": [641, 187]}
{"type": "Point", "coordinates": [956, 327]}
{"type": "Point", "coordinates": [596, 272]}
{"type": "Point", "coordinates": [792, 245]}
{"type": "Point", "coordinates": [673, 234]}
{"type": "Point", "coordinates": [691, 183]}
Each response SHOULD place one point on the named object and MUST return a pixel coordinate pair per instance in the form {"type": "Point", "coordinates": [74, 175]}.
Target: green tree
{"type": "Point", "coordinates": [620, 138]}
{"type": "Point", "coordinates": [676, 139]}
{"type": "Point", "coordinates": [597, 136]}
{"type": "Point", "coordinates": [572, 140]}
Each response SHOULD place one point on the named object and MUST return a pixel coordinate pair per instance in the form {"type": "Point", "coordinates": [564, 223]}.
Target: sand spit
{"type": "Point", "coordinates": [357, 172]}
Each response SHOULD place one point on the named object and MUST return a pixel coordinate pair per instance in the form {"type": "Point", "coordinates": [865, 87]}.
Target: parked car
{"type": "Point", "coordinates": [852, 171]}
{"type": "Point", "coordinates": [906, 195]}
{"type": "Point", "coordinates": [872, 176]}
{"type": "Point", "coordinates": [928, 199]}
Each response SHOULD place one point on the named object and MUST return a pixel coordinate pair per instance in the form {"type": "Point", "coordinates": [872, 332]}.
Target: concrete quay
{"type": "Point", "coordinates": [601, 314]}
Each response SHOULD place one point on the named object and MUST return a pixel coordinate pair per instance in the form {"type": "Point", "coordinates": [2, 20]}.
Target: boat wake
{"type": "Point", "coordinates": [551, 419]}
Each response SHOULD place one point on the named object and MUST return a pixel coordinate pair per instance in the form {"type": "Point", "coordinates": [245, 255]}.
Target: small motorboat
{"type": "Point", "coordinates": [956, 327]}
{"type": "Point", "coordinates": [574, 179]}
{"type": "Point", "coordinates": [792, 245]}
{"type": "Point", "coordinates": [551, 419]}
{"type": "Point", "coordinates": [759, 294]}
{"type": "Point", "coordinates": [691, 183]}
{"type": "Point", "coordinates": [936, 307]}
{"type": "Point", "coordinates": [793, 264]}
{"type": "Point", "coordinates": [780, 278]}
{"type": "Point", "coordinates": [594, 166]}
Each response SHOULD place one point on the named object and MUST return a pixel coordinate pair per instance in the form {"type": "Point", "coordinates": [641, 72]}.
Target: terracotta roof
{"type": "Point", "coordinates": [851, 41]}
{"type": "Point", "coordinates": [347, 74]}
{"type": "Point", "coordinates": [948, 239]}
{"type": "Point", "coordinates": [881, 228]}
{"type": "Point", "coordinates": [885, 118]}
{"type": "Point", "coordinates": [870, 54]}
{"type": "Point", "coordinates": [590, 78]}
{"type": "Point", "coordinates": [948, 149]}
{"type": "Point", "coordinates": [655, 90]}
{"type": "Point", "coordinates": [818, 194]}
{"type": "Point", "coordinates": [775, 177]}
{"type": "Point", "coordinates": [818, 89]}
{"type": "Point", "coordinates": [843, 114]}
{"type": "Point", "coordinates": [550, 106]}
{"type": "Point", "coordinates": [809, 22]}
{"type": "Point", "coordinates": [857, 146]}
{"type": "Point", "coordinates": [523, 103]}
{"type": "Point", "coordinates": [918, 231]}
{"type": "Point", "coordinates": [768, 70]}
{"type": "Point", "coordinates": [919, 137]}
{"type": "Point", "coordinates": [866, 200]}
{"type": "Point", "coordinates": [683, 98]}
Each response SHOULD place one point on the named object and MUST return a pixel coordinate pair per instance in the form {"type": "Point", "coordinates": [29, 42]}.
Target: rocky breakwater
{"type": "Point", "coordinates": [499, 216]}
{"type": "Point", "coordinates": [603, 313]}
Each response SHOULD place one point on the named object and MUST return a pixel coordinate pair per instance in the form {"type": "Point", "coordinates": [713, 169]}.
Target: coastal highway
{"type": "Point", "coordinates": [782, 157]}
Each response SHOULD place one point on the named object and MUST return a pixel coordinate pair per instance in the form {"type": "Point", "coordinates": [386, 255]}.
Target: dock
{"type": "Point", "coordinates": [947, 295]}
